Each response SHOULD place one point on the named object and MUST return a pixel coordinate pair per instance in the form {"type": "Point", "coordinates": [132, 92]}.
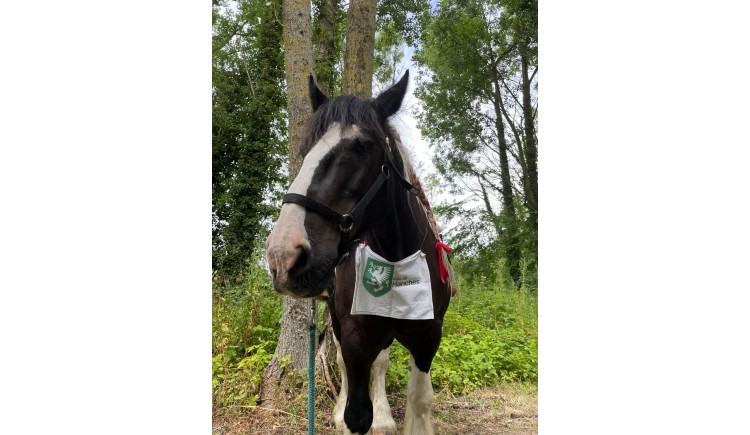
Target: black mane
{"type": "Point", "coordinates": [347, 110]}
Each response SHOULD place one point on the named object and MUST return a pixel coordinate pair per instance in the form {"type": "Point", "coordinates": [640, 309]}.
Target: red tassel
{"type": "Point", "coordinates": [443, 271]}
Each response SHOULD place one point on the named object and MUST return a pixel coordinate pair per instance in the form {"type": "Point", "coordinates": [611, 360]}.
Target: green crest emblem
{"type": "Point", "coordinates": [378, 277]}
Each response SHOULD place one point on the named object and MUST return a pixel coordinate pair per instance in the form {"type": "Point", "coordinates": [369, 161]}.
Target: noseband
{"type": "Point", "coordinates": [347, 221]}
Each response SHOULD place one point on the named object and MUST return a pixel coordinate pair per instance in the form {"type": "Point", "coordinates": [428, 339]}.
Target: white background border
{"type": "Point", "coordinates": [105, 183]}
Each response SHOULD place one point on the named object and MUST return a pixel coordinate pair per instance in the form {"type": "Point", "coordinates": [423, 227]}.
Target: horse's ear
{"type": "Point", "coordinates": [317, 97]}
{"type": "Point", "coordinates": [389, 101]}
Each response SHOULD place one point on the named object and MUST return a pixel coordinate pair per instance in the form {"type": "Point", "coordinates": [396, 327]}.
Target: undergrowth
{"type": "Point", "coordinates": [489, 337]}
{"type": "Point", "coordinates": [246, 324]}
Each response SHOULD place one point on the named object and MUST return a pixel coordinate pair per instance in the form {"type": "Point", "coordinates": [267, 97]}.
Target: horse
{"type": "Point", "coordinates": [353, 187]}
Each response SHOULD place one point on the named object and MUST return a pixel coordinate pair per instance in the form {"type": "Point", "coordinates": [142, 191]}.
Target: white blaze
{"type": "Point", "coordinates": [289, 235]}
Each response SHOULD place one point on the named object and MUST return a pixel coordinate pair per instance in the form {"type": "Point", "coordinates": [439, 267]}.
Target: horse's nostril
{"type": "Point", "coordinates": [302, 263]}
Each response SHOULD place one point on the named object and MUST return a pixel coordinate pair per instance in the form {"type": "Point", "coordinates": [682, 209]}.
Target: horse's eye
{"type": "Point", "coordinates": [362, 146]}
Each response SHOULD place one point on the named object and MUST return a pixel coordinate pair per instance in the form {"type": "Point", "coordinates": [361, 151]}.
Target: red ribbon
{"type": "Point", "coordinates": [443, 271]}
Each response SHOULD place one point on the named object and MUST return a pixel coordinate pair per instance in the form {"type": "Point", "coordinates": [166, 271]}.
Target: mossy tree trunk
{"type": "Point", "coordinates": [327, 44]}
{"type": "Point", "coordinates": [360, 48]}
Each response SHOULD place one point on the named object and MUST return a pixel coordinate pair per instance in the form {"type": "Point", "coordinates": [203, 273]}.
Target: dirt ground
{"type": "Point", "coordinates": [505, 409]}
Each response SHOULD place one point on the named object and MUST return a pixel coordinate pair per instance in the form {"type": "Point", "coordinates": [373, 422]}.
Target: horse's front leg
{"type": "Point", "coordinates": [422, 341]}
{"type": "Point", "coordinates": [417, 420]}
{"type": "Point", "coordinates": [382, 423]}
{"type": "Point", "coordinates": [358, 410]}
{"type": "Point", "coordinates": [338, 410]}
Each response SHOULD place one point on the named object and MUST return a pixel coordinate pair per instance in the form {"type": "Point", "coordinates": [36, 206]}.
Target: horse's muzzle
{"type": "Point", "coordinates": [301, 280]}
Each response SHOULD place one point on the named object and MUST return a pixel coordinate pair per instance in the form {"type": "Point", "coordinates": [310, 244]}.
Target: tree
{"type": "Point", "coordinates": [473, 116]}
{"type": "Point", "coordinates": [298, 63]}
{"type": "Point", "coordinates": [247, 129]}
{"type": "Point", "coordinates": [360, 48]}
{"type": "Point", "coordinates": [521, 18]}
{"type": "Point", "coordinates": [328, 42]}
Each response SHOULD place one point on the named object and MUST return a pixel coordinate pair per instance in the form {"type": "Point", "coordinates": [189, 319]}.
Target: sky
{"type": "Point", "coordinates": [421, 153]}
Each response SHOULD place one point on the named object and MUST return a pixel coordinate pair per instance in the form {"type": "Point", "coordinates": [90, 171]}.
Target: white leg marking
{"type": "Point", "coordinates": [418, 419]}
{"type": "Point", "coordinates": [382, 420]}
{"type": "Point", "coordinates": [338, 410]}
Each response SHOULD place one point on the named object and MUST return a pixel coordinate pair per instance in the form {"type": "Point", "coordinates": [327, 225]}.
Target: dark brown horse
{"type": "Point", "coordinates": [353, 186]}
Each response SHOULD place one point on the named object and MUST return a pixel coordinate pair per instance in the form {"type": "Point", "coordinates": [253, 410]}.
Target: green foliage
{"type": "Point", "coordinates": [480, 253]}
{"type": "Point", "coordinates": [398, 24]}
{"type": "Point", "coordinates": [238, 384]}
{"type": "Point", "coordinates": [246, 322]}
{"type": "Point", "coordinates": [469, 56]}
{"type": "Point", "coordinates": [489, 336]}
{"type": "Point", "coordinates": [388, 55]}
{"type": "Point", "coordinates": [248, 129]}
{"type": "Point", "coordinates": [521, 18]}
{"type": "Point", "coordinates": [403, 15]}
{"type": "Point", "coordinates": [329, 62]}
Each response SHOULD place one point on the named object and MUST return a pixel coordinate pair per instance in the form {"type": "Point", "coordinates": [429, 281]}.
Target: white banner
{"type": "Point", "coordinates": [401, 290]}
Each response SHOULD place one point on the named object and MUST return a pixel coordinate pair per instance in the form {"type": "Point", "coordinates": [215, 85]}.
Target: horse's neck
{"type": "Point", "coordinates": [405, 228]}
{"type": "Point", "coordinates": [399, 234]}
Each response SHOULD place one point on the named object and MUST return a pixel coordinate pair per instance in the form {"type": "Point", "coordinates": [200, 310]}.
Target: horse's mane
{"type": "Point", "coordinates": [347, 110]}
{"type": "Point", "coordinates": [411, 175]}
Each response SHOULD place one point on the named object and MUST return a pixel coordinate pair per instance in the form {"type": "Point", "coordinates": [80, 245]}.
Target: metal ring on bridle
{"type": "Point", "coordinates": [344, 218]}
{"type": "Point", "coordinates": [386, 171]}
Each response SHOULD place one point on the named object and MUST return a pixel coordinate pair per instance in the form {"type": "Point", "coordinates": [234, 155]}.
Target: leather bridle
{"type": "Point", "coordinates": [346, 222]}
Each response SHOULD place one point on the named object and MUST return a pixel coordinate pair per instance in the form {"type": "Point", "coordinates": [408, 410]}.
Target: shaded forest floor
{"type": "Point", "coordinates": [502, 409]}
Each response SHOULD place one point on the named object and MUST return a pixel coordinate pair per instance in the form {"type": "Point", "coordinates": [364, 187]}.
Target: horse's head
{"type": "Point", "coordinates": [344, 147]}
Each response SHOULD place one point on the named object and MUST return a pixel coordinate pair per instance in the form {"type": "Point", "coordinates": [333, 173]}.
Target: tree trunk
{"type": "Point", "coordinates": [298, 64]}
{"type": "Point", "coordinates": [327, 45]}
{"type": "Point", "coordinates": [507, 187]}
{"type": "Point", "coordinates": [360, 48]}
{"type": "Point", "coordinates": [509, 234]}
{"type": "Point", "coordinates": [530, 148]}
{"type": "Point", "coordinates": [293, 339]}
{"type": "Point", "coordinates": [530, 151]}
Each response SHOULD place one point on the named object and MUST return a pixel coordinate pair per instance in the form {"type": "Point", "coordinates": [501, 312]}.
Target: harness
{"type": "Point", "coordinates": [347, 221]}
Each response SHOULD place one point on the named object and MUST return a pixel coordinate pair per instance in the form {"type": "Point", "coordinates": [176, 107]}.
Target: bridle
{"type": "Point", "coordinates": [346, 221]}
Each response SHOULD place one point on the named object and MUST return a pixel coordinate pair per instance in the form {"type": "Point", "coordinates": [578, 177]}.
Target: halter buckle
{"type": "Point", "coordinates": [344, 218]}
